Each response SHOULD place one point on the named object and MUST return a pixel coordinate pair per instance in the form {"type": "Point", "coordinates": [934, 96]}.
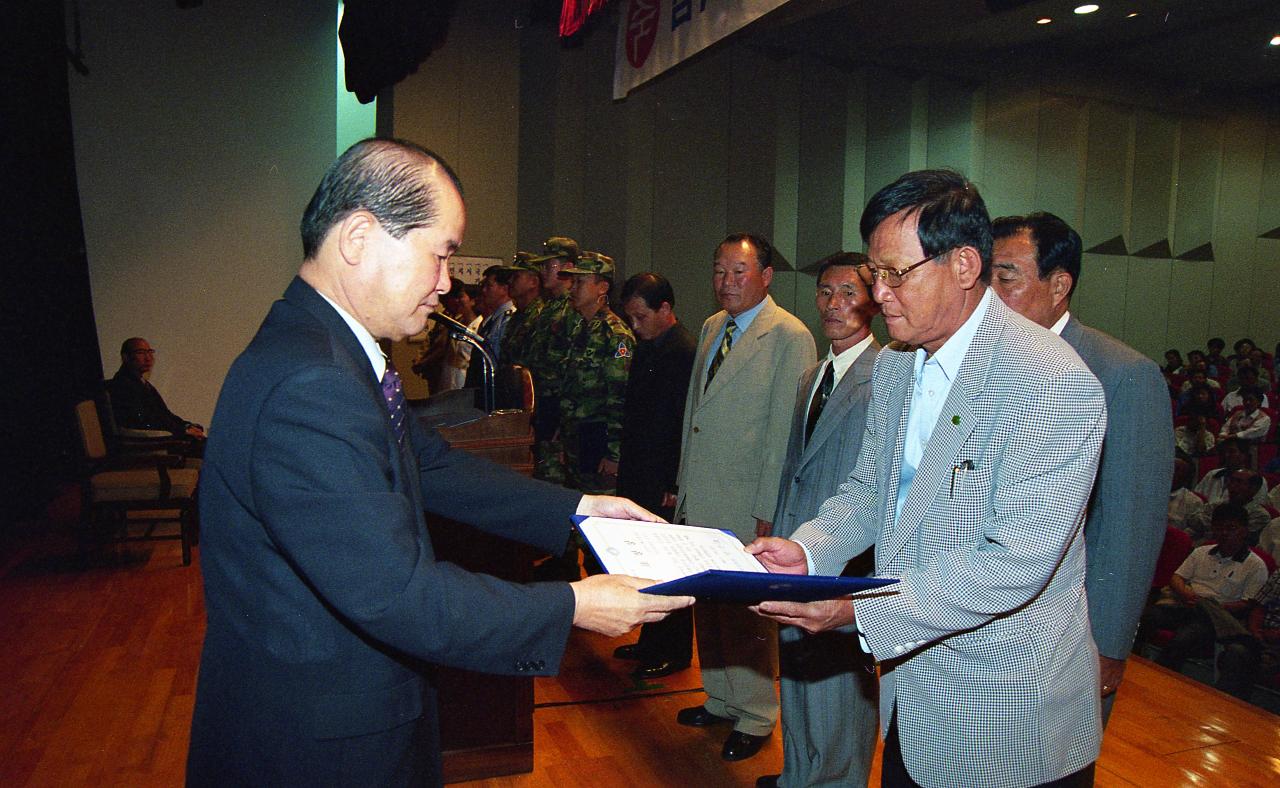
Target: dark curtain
{"type": "Point", "coordinates": [46, 318]}
{"type": "Point", "coordinates": [383, 41]}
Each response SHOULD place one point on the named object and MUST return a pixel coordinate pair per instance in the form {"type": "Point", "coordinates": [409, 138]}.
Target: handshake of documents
{"type": "Point", "coordinates": [707, 563]}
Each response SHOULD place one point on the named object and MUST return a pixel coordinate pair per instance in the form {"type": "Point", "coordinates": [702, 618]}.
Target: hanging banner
{"type": "Point", "coordinates": [654, 35]}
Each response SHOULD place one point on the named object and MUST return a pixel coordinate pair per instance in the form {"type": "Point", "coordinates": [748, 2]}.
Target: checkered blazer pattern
{"type": "Point", "coordinates": [984, 646]}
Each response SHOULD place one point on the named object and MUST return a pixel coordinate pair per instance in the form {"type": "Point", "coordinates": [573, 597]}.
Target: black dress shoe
{"type": "Point", "coordinates": [741, 746]}
{"type": "Point", "coordinates": [629, 651]}
{"type": "Point", "coordinates": [659, 669]}
{"type": "Point", "coordinates": [768, 781]}
{"type": "Point", "coordinates": [699, 717]}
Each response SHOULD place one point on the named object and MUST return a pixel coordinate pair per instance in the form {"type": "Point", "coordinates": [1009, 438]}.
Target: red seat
{"type": "Point", "coordinates": [1176, 548]}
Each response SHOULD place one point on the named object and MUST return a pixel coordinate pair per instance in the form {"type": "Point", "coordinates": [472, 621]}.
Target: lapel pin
{"type": "Point", "coordinates": [955, 420]}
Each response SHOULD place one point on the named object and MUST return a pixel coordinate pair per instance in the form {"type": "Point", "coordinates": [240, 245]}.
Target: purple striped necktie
{"type": "Point", "coordinates": [393, 393]}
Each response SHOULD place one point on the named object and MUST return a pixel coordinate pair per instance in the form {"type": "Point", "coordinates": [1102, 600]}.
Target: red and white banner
{"type": "Point", "coordinates": [654, 35]}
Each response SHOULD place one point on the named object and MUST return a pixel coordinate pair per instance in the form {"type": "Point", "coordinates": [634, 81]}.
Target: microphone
{"type": "Point", "coordinates": [456, 328]}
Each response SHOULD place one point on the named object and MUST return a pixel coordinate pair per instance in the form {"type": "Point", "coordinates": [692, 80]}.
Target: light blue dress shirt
{"type": "Point", "coordinates": [933, 378]}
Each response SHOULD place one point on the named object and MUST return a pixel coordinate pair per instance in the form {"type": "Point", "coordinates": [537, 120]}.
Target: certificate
{"type": "Point", "coordinates": [708, 563]}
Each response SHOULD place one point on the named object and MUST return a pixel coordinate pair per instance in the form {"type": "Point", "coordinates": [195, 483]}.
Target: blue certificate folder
{"type": "Point", "coordinates": [723, 585]}
{"type": "Point", "coordinates": [720, 585]}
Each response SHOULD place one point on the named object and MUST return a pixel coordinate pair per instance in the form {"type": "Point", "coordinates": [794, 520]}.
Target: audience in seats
{"type": "Point", "coordinates": [1269, 539]}
{"type": "Point", "coordinates": [1256, 651]}
{"type": "Point", "coordinates": [1172, 362]}
{"type": "Point", "coordinates": [1209, 594]}
{"type": "Point", "coordinates": [1199, 376]}
{"type": "Point", "coordinates": [1217, 364]}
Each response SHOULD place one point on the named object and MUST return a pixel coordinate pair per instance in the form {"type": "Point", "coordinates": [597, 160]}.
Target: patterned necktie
{"type": "Point", "coordinates": [726, 345]}
{"type": "Point", "coordinates": [394, 395]}
{"type": "Point", "coordinates": [819, 401]}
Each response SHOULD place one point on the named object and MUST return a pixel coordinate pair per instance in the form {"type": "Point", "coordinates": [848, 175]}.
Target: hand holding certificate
{"type": "Point", "coordinates": [703, 562]}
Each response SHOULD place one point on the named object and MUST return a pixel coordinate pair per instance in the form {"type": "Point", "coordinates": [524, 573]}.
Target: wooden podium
{"type": "Point", "coordinates": [486, 721]}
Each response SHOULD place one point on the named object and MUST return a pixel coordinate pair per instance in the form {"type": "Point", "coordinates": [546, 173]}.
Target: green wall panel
{"type": "Point", "coordinates": [951, 126]}
{"type": "Point", "coordinates": [1060, 154]}
{"type": "Point", "coordinates": [1008, 179]}
{"type": "Point", "coordinates": [1106, 173]}
{"type": "Point", "coordinates": [1190, 297]}
{"type": "Point", "coordinates": [819, 221]}
{"type": "Point", "coordinates": [855, 160]}
{"type": "Point", "coordinates": [1099, 298]}
{"type": "Point", "coordinates": [1233, 279]}
{"type": "Point", "coordinates": [1241, 181]}
{"type": "Point", "coordinates": [1146, 306]}
{"type": "Point", "coordinates": [889, 111]}
{"type": "Point", "coordinates": [1199, 157]}
{"type": "Point", "coordinates": [1155, 140]}
{"type": "Point", "coordinates": [1269, 201]}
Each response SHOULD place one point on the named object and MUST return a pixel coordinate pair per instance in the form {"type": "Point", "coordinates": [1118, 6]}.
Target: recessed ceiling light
{"type": "Point", "coordinates": [1087, 8]}
{"type": "Point", "coordinates": [1044, 20]}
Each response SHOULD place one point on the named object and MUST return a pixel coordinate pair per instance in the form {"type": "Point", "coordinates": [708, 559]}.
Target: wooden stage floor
{"type": "Point", "coordinates": [97, 674]}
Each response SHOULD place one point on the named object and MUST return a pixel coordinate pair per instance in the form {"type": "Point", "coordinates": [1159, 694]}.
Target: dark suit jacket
{"type": "Point", "coordinates": [653, 417]}
{"type": "Point", "coordinates": [136, 405]}
{"type": "Point", "coordinates": [1130, 501]}
{"type": "Point", "coordinates": [325, 602]}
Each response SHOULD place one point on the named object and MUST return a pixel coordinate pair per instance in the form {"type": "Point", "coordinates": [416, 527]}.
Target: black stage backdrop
{"type": "Point", "coordinates": [47, 332]}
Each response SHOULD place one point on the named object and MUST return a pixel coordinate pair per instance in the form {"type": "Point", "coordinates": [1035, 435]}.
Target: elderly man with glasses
{"type": "Point", "coordinates": [135, 403]}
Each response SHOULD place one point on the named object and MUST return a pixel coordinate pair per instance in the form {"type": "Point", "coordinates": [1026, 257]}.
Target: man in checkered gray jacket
{"type": "Point", "coordinates": [981, 446]}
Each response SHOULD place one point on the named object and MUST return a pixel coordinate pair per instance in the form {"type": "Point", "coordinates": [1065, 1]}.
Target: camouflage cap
{"type": "Point", "coordinates": [557, 247]}
{"type": "Point", "coordinates": [591, 263]}
{"type": "Point", "coordinates": [522, 261]}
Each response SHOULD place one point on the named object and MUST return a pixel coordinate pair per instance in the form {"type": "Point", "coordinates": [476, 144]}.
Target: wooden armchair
{"type": "Point", "coordinates": [115, 485]}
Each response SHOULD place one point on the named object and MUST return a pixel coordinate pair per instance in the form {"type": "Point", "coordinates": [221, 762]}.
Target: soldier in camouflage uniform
{"type": "Point", "coordinates": [595, 380]}
{"type": "Point", "coordinates": [546, 350]}
{"type": "Point", "coordinates": [526, 284]}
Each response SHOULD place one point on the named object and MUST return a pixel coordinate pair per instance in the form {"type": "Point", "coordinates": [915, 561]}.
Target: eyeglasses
{"type": "Point", "coordinates": [893, 276]}
{"type": "Point", "coordinates": [140, 352]}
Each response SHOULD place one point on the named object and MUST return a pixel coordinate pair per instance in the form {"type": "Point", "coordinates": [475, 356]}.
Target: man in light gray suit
{"type": "Point", "coordinates": [981, 444]}
{"type": "Point", "coordinates": [828, 685]}
{"type": "Point", "coordinates": [1036, 269]}
{"type": "Point", "coordinates": [737, 418]}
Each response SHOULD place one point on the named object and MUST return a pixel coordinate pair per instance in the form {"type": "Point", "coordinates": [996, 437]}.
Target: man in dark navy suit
{"type": "Point", "coordinates": [326, 606]}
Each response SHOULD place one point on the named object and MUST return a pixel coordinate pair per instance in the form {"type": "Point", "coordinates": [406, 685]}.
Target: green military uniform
{"type": "Point", "coordinates": [545, 352]}
{"type": "Point", "coordinates": [591, 398]}
{"type": "Point", "coordinates": [593, 387]}
{"type": "Point", "coordinates": [520, 324]}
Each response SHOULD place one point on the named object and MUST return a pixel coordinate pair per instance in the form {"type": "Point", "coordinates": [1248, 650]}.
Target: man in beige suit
{"type": "Point", "coordinates": [737, 420]}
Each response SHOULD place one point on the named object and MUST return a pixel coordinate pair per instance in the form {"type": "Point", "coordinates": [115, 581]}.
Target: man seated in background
{"type": "Point", "coordinates": [1242, 488]}
{"type": "Point", "coordinates": [135, 403]}
{"type": "Point", "coordinates": [1235, 455]}
{"type": "Point", "coordinates": [1185, 506]}
{"type": "Point", "coordinates": [1194, 438]}
{"type": "Point", "coordinates": [1250, 423]}
{"type": "Point", "coordinates": [1247, 658]}
{"type": "Point", "coordinates": [1209, 592]}
{"type": "Point", "coordinates": [1246, 378]}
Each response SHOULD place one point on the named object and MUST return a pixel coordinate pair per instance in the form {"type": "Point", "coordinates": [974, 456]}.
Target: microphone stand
{"type": "Point", "coordinates": [463, 334]}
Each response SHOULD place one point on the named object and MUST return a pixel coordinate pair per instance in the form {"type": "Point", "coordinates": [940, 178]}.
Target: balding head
{"type": "Point", "coordinates": [378, 233]}
{"type": "Point", "coordinates": [398, 182]}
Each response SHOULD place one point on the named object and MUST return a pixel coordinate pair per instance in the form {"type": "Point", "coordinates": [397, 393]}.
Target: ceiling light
{"type": "Point", "coordinates": [1131, 15]}
{"type": "Point", "coordinates": [1044, 20]}
{"type": "Point", "coordinates": [1087, 8]}
{"type": "Point", "coordinates": [1275, 41]}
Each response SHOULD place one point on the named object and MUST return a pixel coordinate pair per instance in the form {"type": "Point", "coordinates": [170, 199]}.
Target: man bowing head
{"type": "Point", "coordinates": [981, 443]}
{"type": "Point", "coordinates": [326, 606]}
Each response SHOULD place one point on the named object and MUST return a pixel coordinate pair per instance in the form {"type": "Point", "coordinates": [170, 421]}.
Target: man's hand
{"type": "Point", "coordinates": [1111, 673]}
{"type": "Point", "coordinates": [607, 467]}
{"type": "Point", "coordinates": [763, 528]}
{"type": "Point", "coordinates": [780, 556]}
{"type": "Point", "coordinates": [812, 617]}
{"type": "Point", "coordinates": [613, 605]}
{"type": "Point", "coordinates": [615, 507]}
{"type": "Point", "coordinates": [669, 500]}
